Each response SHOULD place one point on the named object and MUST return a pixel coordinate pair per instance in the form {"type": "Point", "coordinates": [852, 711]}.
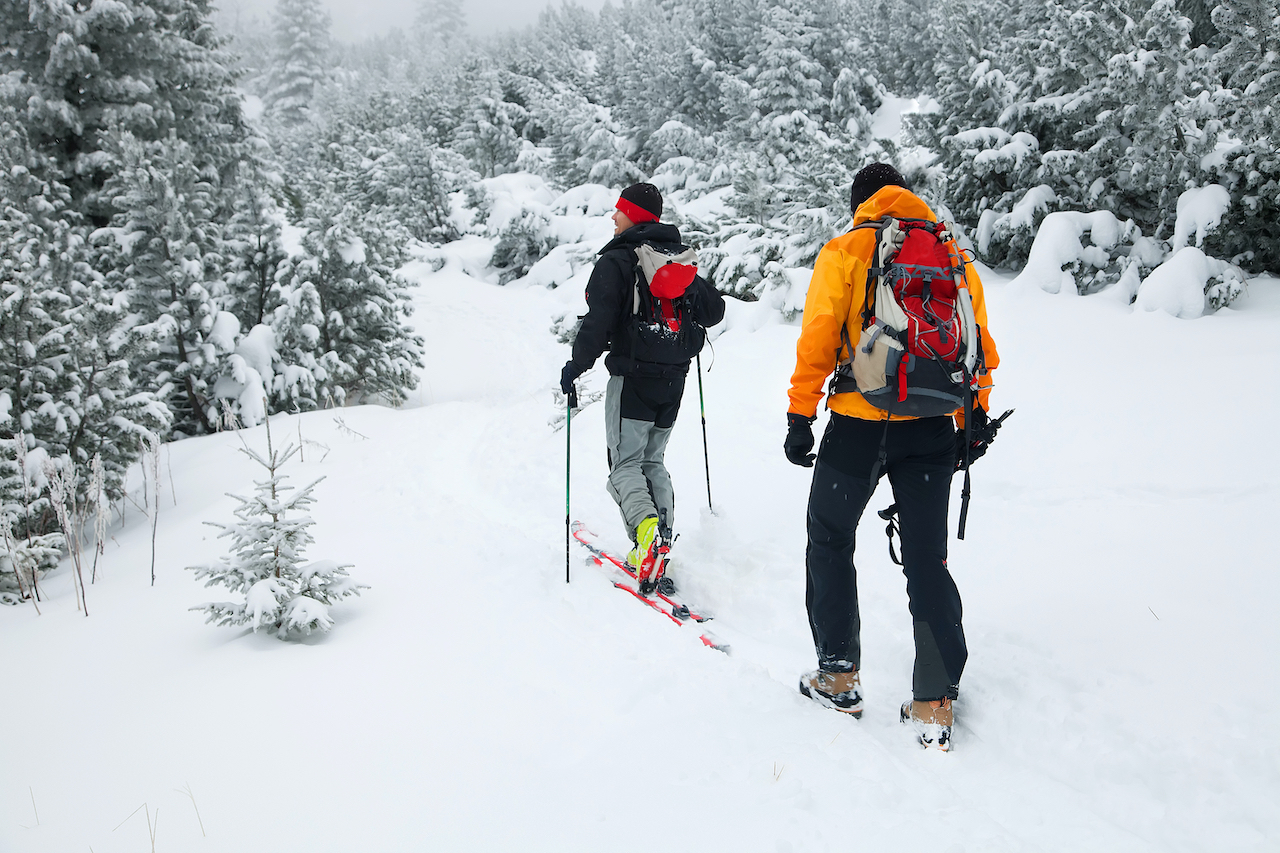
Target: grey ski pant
{"type": "Point", "coordinates": [639, 413]}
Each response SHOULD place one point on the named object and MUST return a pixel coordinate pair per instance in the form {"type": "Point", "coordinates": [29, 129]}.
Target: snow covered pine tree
{"type": "Point", "coordinates": [266, 552]}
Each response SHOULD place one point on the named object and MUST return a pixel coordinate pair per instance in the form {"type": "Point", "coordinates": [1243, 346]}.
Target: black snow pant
{"type": "Point", "coordinates": [920, 462]}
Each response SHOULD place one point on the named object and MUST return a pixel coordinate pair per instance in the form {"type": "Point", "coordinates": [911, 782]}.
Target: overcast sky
{"type": "Point", "coordinates": [357, 19]}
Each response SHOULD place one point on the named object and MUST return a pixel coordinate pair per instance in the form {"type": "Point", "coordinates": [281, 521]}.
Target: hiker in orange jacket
{"type": "Point", "coordinates": [919, 455]}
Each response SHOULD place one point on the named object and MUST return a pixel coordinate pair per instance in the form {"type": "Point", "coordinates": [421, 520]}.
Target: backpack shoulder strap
{"type": "Point", "coordinates": [639, 278]}
{"type": "Point", "coordinates": [875, 264]}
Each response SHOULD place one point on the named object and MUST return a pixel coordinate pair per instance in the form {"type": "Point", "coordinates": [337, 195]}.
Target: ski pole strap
{"type": "Point", "coordinates": [889, 514]}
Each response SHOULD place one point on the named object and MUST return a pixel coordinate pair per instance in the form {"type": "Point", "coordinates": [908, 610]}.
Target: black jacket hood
{"type": "Point", "coordinates": [645, 232]}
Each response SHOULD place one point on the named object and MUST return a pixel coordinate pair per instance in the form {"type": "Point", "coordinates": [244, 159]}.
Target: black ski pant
{"type": "Point", "coordinates": [919, 464]}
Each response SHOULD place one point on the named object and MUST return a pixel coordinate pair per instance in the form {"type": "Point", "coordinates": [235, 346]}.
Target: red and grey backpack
{"type": "Point", "coordinates": [662, 329]}
{"type": "Point", "coordinates": [920, 350]}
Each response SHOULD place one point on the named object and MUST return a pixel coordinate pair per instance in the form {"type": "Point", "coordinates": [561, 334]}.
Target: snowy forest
{"type": "Point", "coordinates": [203, 217]}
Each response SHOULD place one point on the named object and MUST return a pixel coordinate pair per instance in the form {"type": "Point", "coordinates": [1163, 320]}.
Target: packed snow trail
{"type": "Point", "coordinates": [1115, 575]}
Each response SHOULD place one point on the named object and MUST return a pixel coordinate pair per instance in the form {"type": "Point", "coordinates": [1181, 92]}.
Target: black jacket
{"type": "Point", "coordinates": [610, 295]}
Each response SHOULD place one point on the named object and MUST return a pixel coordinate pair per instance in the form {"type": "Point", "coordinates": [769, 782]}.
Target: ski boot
{"type": "Point", "coordinates": [649, 558]}
{"type": "Point", "coordinates": [646, 534]}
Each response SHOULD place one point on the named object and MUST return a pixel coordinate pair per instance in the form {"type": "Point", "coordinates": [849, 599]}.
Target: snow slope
{"type": "Point", "coordinates": [1117, 576]}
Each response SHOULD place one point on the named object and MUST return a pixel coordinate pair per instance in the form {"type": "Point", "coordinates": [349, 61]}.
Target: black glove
{"type": "Point", "coordinates": [570, 372]}
{"type": "Point", "coordinates": [799, 440]}
{"type": "Point", "coordinates": [982, 431]}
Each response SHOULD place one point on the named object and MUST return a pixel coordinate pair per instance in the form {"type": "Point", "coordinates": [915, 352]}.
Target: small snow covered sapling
{"type": "Point", "coordinates": [21, 509]}
{"type": "Point", "coordinates": [265, 564]}
{"type": "Point", "coordinates": [71, 512]}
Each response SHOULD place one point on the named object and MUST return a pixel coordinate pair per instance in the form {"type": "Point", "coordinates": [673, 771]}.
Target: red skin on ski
{"type": "Point", "coordinates": [600, 556]}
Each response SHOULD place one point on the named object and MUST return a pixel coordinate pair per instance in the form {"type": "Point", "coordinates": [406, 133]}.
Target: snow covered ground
{"type": "Point", "coordinates": [1117, 576]}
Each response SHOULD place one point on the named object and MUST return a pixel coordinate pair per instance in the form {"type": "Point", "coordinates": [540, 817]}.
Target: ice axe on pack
{"type": "Point", "coordinates": [980, 438]}
{"type": "Point", "coordinates": [979, 431]}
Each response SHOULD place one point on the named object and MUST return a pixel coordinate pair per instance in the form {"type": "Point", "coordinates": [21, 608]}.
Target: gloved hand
{"type": "Point", "coordinates": [569, 373]}
{"type": "Point", "coordinates": [799, 440]}
{"type": "Point", "coordinates": [982, 431]}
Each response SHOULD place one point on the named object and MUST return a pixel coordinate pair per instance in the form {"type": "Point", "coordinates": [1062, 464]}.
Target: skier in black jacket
{"type": "Point", "coordinates": [650, 344]}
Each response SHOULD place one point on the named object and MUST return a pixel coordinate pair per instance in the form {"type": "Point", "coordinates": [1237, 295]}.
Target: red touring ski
{"type": "Point", "coordinates": [662, 600]}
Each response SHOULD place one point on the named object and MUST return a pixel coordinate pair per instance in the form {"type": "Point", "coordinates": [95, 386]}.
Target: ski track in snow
{"type": "Point", "coordinates": [1115, 579]}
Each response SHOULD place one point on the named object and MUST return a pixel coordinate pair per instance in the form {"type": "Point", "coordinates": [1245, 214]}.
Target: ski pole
{"type": "Point", "coordinates": [706, 456]}
{"type": "Point", "coordinates": [570, 401]}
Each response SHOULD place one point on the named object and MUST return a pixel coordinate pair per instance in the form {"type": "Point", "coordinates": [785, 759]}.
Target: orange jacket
{"type": "Point", "coordinates": [835, 300]}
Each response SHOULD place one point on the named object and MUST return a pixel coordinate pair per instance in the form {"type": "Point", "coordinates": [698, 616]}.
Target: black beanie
{"type": "Point", "coordinates": [644, 196]}
{"type": "Point", "coordinates": [870, 179]}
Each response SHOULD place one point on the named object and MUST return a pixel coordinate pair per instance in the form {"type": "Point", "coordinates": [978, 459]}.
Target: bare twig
{"type": "Point", "coordinates": [320, 445]}
{"type": "Point", "coordinates": [33, 805]}
{"type": "Point", "coordinates": [143, 507]}
{"type": "Point", "coordinates": [151, 458]}
{"type": "Point", "coordinates": [187, 790]}
{"type": "Point", "coordinates": [151, 825]}
{"type": "Point", "coordinates": [70, 513]}
{"type": "Point", "coordinates": [342, 425]}
{"type": "Point", "coordinates": [173, 493]}
{"type": "Point", "coordinates": [131, 814]}
{"type": "Point", "coordinates": [228, 419]}
{"type": "Point", "coordinates": [777, 771]}
{"type": "Point", "coordinates": [96, 483]}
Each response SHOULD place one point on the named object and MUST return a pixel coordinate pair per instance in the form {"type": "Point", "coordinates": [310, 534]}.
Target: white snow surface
{"type": "Point", "coordinates": [1116, 574]}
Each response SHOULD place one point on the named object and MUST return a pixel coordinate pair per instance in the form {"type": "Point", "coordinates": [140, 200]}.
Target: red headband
{"type": "Point", "coordinates": [635, 212]}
